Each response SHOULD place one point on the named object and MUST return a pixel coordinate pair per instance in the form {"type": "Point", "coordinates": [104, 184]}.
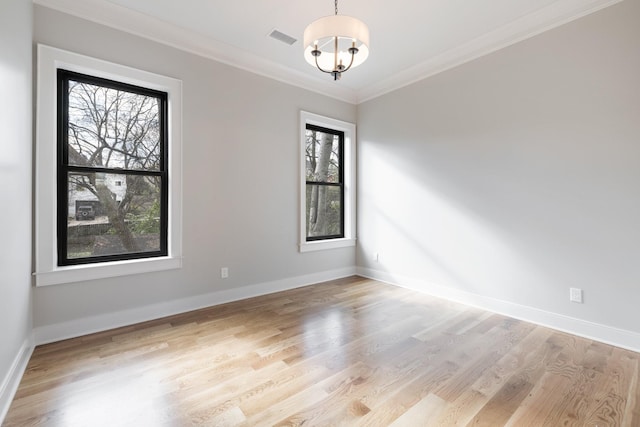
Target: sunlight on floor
{"type": "Point", "coordinates": [127, 396]}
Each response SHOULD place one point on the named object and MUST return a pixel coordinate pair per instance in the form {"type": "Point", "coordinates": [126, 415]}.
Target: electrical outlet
{"type": "Point", "coordinates": [575, 295]}
{"type": "Point", "coordinates": [224, 272]}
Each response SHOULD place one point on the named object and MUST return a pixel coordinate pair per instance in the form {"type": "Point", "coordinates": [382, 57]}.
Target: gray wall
{"type": "Point", "coordinates": [240, 177]}
{"type": "Point", "coordinates": [15, 190]}
{"type": "Point", "coordinates": [515, 176]}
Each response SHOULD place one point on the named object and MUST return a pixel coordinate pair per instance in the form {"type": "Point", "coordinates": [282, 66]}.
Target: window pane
{"type": "Point", "coordinates": [322, 156]}
{"type": "Point", "coordinates": [112, 214]}
{"type": "Point", "coordinates": [324, 213]}
{"type": "Point", "coordinates": [113, 128]}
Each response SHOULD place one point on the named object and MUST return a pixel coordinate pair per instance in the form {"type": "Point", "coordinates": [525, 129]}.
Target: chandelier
{"type": "Point", "coordinates": [335, 44]}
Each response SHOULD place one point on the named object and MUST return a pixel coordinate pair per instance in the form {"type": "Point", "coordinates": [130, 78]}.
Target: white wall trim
{"type": "Point", "coordinates": [11, 381]}
{"type": "Point", "coordinates": [594, 331]}
{"type": "Point", "coordinates": [105, 13]}
{"type": "Point", "coordinates": [87, 325]}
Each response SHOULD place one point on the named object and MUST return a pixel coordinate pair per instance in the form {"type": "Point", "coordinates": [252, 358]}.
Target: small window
{"type": "Point", "coordinates": [327, 213]}
{"type": "Point", "coordinates": [112, 146]}
{"type": "Point", "coordinates": [324, 183]}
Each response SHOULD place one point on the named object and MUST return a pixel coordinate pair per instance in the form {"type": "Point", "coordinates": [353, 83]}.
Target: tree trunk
{"type": "Point", "coordinates": [116, 218]}
{"type": "Point", "coordinates": [318, 208]}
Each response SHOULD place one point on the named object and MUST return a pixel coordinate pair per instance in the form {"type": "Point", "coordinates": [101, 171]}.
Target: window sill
{"type": "Point", "coordinates": [81, 273]}
{"type": "Point", "coordinates": [321, 245]}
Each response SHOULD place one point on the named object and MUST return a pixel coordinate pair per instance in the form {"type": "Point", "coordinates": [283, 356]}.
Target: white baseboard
{"type": "Point", "coordinates": [11, 381]}
{"type": "Point", "coordinates": [87, 325]}
{"type": "Point", "coordinates": [606, 334]}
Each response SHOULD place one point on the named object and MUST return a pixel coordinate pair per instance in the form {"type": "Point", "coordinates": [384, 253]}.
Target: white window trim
{"type": "Point", "coordinates": [47, 272]}
{"type": "Point", "coordinates": [349, 165]}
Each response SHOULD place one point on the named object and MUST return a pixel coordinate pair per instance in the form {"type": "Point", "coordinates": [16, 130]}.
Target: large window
{"type": "Point", "coordinates": [108, 169]}
{"type": "Point", "coordinates": [328, 183]}
{"type": "Point", "coordinates": [112, 175]}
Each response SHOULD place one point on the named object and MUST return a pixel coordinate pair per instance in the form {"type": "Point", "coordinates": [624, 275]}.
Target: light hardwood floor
{"type": "Point", "coordinates": [352, 352]}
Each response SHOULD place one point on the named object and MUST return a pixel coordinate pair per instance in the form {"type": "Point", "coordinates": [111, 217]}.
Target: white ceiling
{"type": "Point", "coordinates": [410, 39]}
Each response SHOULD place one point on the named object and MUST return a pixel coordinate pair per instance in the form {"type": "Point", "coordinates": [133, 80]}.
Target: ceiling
{"type": "Point", "coordinates": [410, 39]}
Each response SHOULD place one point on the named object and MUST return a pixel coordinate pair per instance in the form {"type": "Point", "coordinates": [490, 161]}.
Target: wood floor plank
{"type": "Point", "coordinates": [631, 416]}
{"type": "Point", "coordinates": [503, 404]}
{"type": "Point", "coordinates": [350, 352]}
{"type": "Point", "coordinates": [506, 338]}
{"type": "Point", "coordinates": [429, 407]}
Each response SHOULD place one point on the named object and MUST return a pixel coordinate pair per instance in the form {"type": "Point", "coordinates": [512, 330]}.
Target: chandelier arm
{"type": "Point", "coordinates": [320, 68]}
{"type": "Point", "coordinates": [335, 68]}
{"type": "Point", "coordinates": [353, 55]}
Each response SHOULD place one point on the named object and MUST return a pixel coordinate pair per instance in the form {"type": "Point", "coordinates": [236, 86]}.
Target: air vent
{"type": "Point", "coordinates": [284, 38]}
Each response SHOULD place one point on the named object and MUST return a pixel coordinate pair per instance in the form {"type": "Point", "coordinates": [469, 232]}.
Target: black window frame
{"type": "Point", "coordinates": [64, 168]}
{"type": "Point", "coordinates": [340, 183]}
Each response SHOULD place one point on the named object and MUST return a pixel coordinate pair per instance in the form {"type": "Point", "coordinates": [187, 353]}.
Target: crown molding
{"type": "Point", "coordinates": [547, 18]}
{"type": "Point", "coordinates": [121, 18]}
{"type": "Point", "coordinates": [139, 24]}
